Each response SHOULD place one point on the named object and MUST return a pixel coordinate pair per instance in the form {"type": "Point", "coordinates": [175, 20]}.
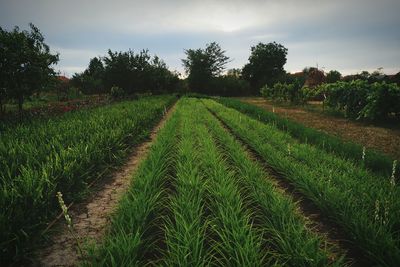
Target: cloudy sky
{"type": "Point", "coordinates": [346, 35]}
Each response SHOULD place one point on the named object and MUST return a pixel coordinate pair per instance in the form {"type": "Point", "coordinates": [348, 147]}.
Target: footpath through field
{"type": "Point", "coordinates": [382, 139]}
{"type": "Point", "coordinates": [91, 217]}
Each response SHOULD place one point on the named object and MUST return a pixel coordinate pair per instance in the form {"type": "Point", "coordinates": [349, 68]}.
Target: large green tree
{"type": "Point", "coordinates": [91, 81]}
{"type": "Point", "coordinates": [202, 65]}
{"type": "Point", "coordinates": [25, 63]}
{"type": "Point", "coordinates": [333, 76]}
{"type": "Point", "coordinates": [133, 72]}
{"type": "Point", "coordinates": [265, 65]}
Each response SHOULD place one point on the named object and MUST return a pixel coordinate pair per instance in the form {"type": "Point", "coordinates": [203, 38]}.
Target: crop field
{"type": "Point", "coordinates": [208, 194]}
{"type": "Point", "coordinates": [63, 154]}
{"type": "Point", "coordinates": [224, 184]}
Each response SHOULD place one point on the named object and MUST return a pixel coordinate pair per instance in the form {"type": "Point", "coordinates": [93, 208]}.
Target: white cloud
{"type": "Point", "coordinates": [344, 34]}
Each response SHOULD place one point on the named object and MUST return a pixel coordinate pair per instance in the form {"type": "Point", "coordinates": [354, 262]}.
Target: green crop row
{"type": "Point", "coordinates": [130, 237]}
{"type": "Point", "coordinates": [220, 207]}
{"type": "Point", "coordinates": [373, 160]}
{"type": "Point", "coordinates": [63, 154]}
{"type": "Point", "coordinates": [366, 207]}
{"type": "Point", "coordinates": [286, 231]}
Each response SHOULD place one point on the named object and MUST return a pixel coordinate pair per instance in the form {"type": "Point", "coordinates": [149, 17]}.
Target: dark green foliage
{"type": "Point", "coordinates": [133, 72]}
{"type": "Point", "coordinates": [360, 99]}
{"type": "Point", "coordinates": [25, 64]}
{"type": "Point", "coordinates": [91, 81]}
{"type": "Point", "coordinates": [350, 97]}
{"type": "Point", "coordinates": [298, 78]}
{"type": "Point", "coordinates": [333, 76]}
{"type": "Point", "coordinates": [395, 79]}
{"type": "Point", "coordinates": [284, 92]}
{"type": "Point", "coordinates": [117, 92]}
{"type": "Point", "coordinates": [265, 65]}
{"type": "Point", "coordinates": [228, 85]}
{"type": "Point", "coordinates": [383, 101]}
{"type": "Point", "coordinates": [203, 65]}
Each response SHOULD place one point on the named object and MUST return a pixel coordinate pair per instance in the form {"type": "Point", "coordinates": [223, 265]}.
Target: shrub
{"type": "Point", "coordinates": [117, 92]}
{"type": "Point", "coordinates": [73, 92]}
{"type": "Point", "coordinates": [284, 92]}
{"type": "Point", "coordinates": [349, 97]}
{"type": "Point", "coordinates": [383, 102]}
{"type": "Point", "coordinates": [359, 99]}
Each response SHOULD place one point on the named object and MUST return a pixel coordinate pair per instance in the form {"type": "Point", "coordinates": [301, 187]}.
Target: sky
{"type": "Point", "coordinates": [344, 35]}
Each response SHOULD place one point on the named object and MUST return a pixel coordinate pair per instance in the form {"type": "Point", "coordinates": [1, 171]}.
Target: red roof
{"type": "Point", "coordinates": [63, 78]}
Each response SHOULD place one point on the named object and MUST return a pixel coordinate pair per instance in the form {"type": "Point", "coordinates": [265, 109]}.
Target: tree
{"type": "Point", "coordinates": [314, 77]}
{"type": "Point", "coordinates": [234, 73]}
{"type": "Point", "coordinates": [129, 71]}
{"type": "Point", "coordinates": [202, 65]}
{"type": "Point", "coordinates": [333, 76]}
{"type": "Point", "coordinates": [91, 81]}
{"type": "Point", "coordinates": [265, 65]}
{"type": "Point", "coordinates": [395, 78]}
{"type": "Point", "coordinates": [25, 63]}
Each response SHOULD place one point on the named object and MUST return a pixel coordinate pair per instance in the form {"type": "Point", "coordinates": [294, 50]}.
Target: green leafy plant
{"type": "Point", "coordinates": [117, 92]}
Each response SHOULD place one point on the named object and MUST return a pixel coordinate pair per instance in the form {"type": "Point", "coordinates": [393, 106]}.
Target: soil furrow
{"type": "Point", "coordinates": [383, 139]}
{"type": "Point", "coordinates": [317, 221]}
{"type": "Point", "coordinates": [91, 217]}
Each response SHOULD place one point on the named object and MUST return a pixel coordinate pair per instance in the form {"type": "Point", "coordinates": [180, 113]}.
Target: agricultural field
{"type": "Point", "coordinates": [67, 154]}
{"type": "Point", "coordinates": [383, 137]}
{"type": "Point", "coordinates": [142, 141]}
{"type": "Point", "coordinates": [224, 183]}
{"type": "Point", "coordinates": [214, 191]}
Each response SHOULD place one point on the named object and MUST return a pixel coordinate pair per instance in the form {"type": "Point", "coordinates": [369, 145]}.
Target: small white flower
{"type": "Point", "coordinates": [363, 154]}
{"type": "Point", "coordinates": [393, 177]}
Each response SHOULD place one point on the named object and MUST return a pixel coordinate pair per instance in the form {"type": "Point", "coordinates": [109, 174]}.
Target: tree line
{"type": "Point", "coordinates": [130, 71]}
{"type": "Point", "coordinates": [27, 67]}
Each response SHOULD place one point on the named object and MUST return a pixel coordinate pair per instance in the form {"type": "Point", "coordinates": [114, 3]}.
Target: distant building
{"type": "Point", "coordinates": [63, 79]}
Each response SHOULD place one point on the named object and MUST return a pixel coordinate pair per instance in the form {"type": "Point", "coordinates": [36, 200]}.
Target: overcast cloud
{"type": "Point", "coordinates": [348, 36]}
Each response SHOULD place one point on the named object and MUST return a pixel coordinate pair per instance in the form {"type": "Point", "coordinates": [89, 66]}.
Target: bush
{"type": "Point", "coordinates": [117, 92]}
{"type": "Point", "coordinates": [229, 86]}
{"type": "Point", "coordinates": [357, 99]}
{"type": "Point", "coordinates": [73, 93]}
{"type": "Point", "coordinates": [383, 102]}
{"type": "Point", "coordinates": [351, 97]}
{"type": "Point", "coordinates": [284, 92]}
{"type": "Point", "coordinates": [360, 99]}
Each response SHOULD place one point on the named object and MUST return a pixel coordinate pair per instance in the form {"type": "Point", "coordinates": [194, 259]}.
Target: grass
{"type": "Point", "coordinates": [365, 207]}
{"type": "Point", "coordinates": [214, 208]}
{"type": "Point", "coordinates": [199, 198]}
{"type": "Point", "coordinates": [374, 160]}
{"type": "Point", "coordinates": [62, 154]}
{"type": "Point", "coordinates": [285, 230]}
{"type": "Point", "coordinates": [129, 237]}
{"type": "Point", "coordinates": [235, 242]}
{"type": "Point", "coordinates": [185, 228]}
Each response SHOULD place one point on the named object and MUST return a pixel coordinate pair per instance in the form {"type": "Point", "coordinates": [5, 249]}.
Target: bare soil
{"type": "Point", "coordinates": [91, 217]}
{"type": "Point", "coordinates": [382, 139]}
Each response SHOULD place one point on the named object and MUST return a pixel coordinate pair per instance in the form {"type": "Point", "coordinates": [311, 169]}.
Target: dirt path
{"type": "Point", "coordinates": [316, 221]}
{"type": "Point", "coordinates": [382, 139]}
{"type": "Point", "coordinates": [91, 217]}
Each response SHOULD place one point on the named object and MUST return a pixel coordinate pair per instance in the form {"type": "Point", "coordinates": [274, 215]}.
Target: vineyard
{"type": "Point", "coordinates": [355, 99]}
{"type": "Point", "coordinates": [224, 184]}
